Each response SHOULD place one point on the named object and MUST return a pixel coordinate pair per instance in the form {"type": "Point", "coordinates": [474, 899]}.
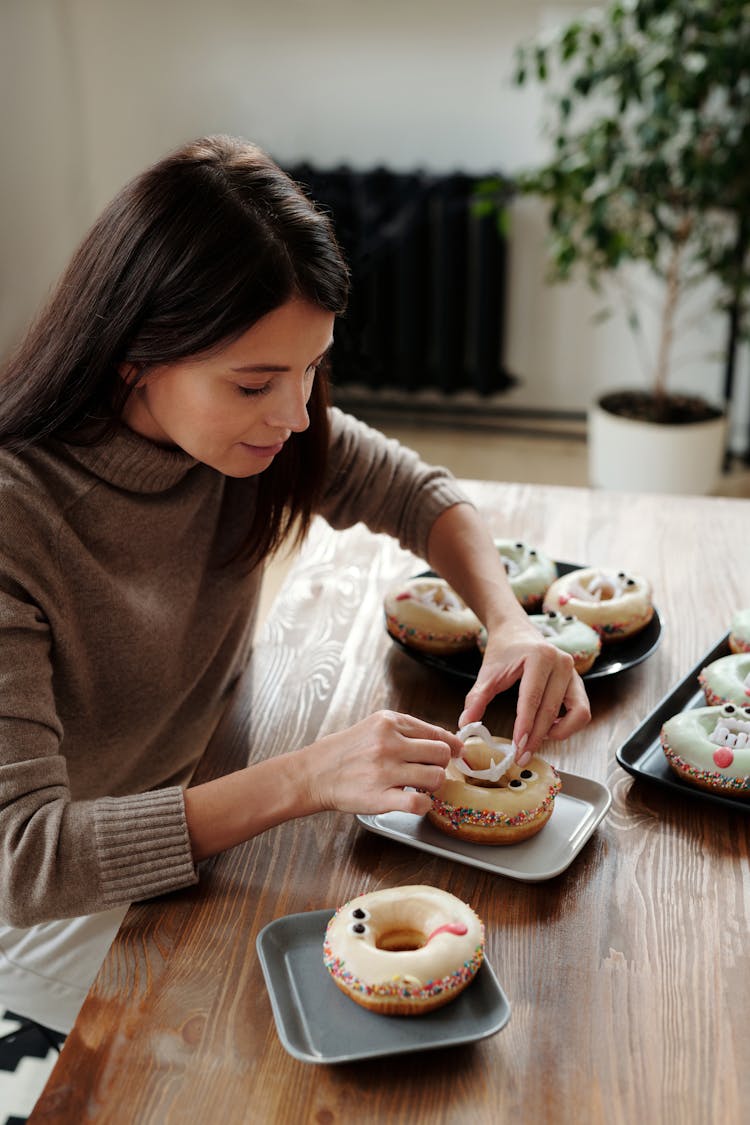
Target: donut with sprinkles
{"type": "Point", "coordinates": [486, 798]}
{"type": "Point", "coordinates": [403, 951]}
{"type": "Point", "coordinates": [427, 614]}
{"type": "Point", "coordinates": [727, 680]}
{"type": "Point", "coordinates": [739, 631]}
{"type": "Point", "coordinates": [709, 747]}
{"type": "Point", "coordinates": [613, 602]}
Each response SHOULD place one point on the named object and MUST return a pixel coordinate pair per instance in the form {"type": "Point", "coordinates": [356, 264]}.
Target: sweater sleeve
{"type": "Point", "coordinates": [61, 857]}
{"type": "Point", "coordinates": [380, 482]}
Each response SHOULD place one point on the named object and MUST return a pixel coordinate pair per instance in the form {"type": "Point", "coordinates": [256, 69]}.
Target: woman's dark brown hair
{"type": "Point", "coordinates": [187, 257]}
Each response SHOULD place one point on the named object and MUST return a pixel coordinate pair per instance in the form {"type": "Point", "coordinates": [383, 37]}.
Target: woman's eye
{"type": "Point", "coordinates": [251, 391]}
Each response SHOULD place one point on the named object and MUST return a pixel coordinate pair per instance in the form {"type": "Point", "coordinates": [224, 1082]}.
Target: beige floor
{"type": "Point", "coordinates": [484, 455]}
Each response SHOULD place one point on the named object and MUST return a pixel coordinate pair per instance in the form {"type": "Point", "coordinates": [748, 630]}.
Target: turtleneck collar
{"type": "Point", "coordinates": [134, 463]}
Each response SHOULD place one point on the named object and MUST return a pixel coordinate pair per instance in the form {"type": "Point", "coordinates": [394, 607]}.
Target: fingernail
{"type": "Point", "coordinates": [462, 719]}
{"type": "Point", "coordinates": [523, 760]}
{"type": "Point", "coordinates": [522, 741]}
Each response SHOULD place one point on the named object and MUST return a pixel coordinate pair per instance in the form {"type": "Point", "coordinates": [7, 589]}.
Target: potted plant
{"type": "Point", "coordinates": [650, 118]}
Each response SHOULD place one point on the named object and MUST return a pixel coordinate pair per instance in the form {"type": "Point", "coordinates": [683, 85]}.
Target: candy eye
{"type": "Point", "coordinates": [569, 617]}
{"type": "Point", "coordinates": [532, 552]}
{"type": "Point", "coordinates": [728, 709]}
{"type": "Point", "coordinates": [552, 614]}
{"type": "Point", "coordinates": [621, 574]}
{"type": "Point", "coordinates": [519, 546]}
{"type": "Point", "coordinates": [359, 914]}
{"type": "Point", "coordinates": [358, 929]}
{"type": "Point", "coordinates": [630, 582]}
{"type": "Point", "coordinates": [528, 775]}
{"type": "Point", "coordinates": [517, 784]}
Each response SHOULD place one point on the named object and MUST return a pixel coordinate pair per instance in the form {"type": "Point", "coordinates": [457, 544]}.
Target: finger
{"type": "Point", "coordinates": [426, 777]}
{"type": "Point", "coordinates": [483, 692]}
{"type": "Point", "coordinates": [406, 800]}
{"type": "Point", "coordinates": [423, 751]}
{"type": "Point", "coordinates": [539, 706]}
{"type": "Point", "coordinates": [412, 728]}
{"type": "Point", "coordinates": [576, 717]}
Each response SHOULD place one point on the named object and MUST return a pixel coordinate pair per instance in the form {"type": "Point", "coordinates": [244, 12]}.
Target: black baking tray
{"type": "Point", "coordinates": [615, 657]}
{"type": "Point", "coordinates": [642, 755]}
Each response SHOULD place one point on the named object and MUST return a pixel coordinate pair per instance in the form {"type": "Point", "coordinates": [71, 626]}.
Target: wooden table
{"type": "Point", "coordinates": [628, 975]}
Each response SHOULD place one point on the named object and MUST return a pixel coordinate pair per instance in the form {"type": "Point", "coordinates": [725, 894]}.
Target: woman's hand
{"type": "Point", "coordinates": [361, 770]}
{"type": "Point", "coordinates": [366, 768]}
{"type": "Point", "coordinates": [552, 701]}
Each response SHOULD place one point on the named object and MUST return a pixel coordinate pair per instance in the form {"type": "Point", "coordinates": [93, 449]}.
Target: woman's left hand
{"type": "Point", "coordinates": [552, 701]}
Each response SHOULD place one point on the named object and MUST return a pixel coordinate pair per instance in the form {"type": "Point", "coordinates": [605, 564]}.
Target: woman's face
{"type": "Point", "coordinates": [234, 409]}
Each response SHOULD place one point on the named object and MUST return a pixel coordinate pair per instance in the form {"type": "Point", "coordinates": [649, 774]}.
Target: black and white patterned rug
{"type": "Point", "coordinates": [28, 1053]}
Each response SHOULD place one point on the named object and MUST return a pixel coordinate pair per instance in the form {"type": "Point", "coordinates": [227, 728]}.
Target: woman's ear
{"type": "Point", "coordinates": [130, 373]}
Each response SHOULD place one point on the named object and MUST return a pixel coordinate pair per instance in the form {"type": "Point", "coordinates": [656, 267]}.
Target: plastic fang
{"type": "Point", "coordinates": [497, 769]}
{"type": "Point", "coordinates": [730, 732]}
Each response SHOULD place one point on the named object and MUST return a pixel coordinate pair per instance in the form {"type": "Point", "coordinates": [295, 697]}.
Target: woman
{"type": "Point", "coordinates": [164, 428]}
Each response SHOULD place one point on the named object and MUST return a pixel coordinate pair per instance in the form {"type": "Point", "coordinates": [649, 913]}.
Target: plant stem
{"type": "Point", "coordinates": [669, 314]}
{"type": "Point", "coordinates": [735, 320]}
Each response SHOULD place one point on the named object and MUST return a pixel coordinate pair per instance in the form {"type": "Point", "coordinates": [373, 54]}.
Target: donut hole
{"type": "Point", "coordinates": [483, 783]}
{"type": "Point", "coordinates": [403, 940]}
{"type": "Point", "coordinates": [479, 756]}
{"type": "Point", "coordinates": [604, 588]}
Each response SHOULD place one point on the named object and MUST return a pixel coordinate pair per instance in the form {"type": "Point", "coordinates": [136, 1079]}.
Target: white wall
{"type": "Point", "coordinates": [93, 90]}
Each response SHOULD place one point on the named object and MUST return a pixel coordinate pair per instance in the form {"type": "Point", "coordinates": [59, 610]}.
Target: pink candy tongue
{"type": "Point", "coordinates": [457, 928]}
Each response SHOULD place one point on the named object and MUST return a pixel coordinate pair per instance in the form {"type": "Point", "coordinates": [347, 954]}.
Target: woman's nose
{"type": "Point", "coordinates": [289, 412]}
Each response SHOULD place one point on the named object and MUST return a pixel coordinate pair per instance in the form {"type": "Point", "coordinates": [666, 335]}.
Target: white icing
{"type": "Point", "coordinates": [740, 626]}
{"type": "Point", "coordinates": [566, 632]}
{"type": "Point", "coordinates": [530, 572]}
{"type": "Point", "coordinates": [727, 680]}
{"type": "Point", "coordinates": [601, 587]}
{"type": "Point", "coordinates": [439, 597]}
{"type": "Point", "coordinates": [418, 909]}
{"type": "Point", "coordinates": [427, 612]}
{"type": "Point", "coordinates": [614, 603]}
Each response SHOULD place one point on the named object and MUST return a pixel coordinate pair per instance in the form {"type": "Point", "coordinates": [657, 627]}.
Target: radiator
{"type": "Point", "coordinates": [427, 304]}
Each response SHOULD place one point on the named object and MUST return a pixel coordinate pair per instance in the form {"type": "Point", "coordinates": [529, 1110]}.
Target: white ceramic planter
{"type": "Point", "coordinates": [649, 457]}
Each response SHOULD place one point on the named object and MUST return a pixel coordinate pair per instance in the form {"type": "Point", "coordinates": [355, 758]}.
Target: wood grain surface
{"type": "Point", "coordinates": [628, 975]}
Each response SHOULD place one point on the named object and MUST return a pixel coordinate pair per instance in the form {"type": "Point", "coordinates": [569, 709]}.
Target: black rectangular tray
{"type": "Point", "coordinates": [642, 755]}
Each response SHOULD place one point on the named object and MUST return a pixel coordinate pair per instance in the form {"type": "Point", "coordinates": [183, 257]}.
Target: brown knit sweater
{"type": "Point", "coordinates": [120, 641]}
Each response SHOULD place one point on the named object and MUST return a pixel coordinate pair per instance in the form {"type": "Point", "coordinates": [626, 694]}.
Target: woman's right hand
{"type": "Point", "coordinates": [367, 768]}
{"type": "Point", "coordinates": [364, 769]}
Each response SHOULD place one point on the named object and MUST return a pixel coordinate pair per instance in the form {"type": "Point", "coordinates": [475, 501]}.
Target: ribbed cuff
{"type": "Point", "coordinates": [143, 846]}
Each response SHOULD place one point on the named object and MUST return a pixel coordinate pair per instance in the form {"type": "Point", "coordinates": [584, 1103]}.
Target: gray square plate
{"type": "Point", "coordinates": [316, 1023]}
{"type": "Point", "coordinates": [578, 810]}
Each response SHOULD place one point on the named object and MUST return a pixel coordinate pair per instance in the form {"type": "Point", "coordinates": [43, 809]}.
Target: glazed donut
{"type": "Point", "coordinates": [530, 572]}
{"type": "Point", "coordinates": [727, 680]}
{"type": "Point", "coordinates": [487, 798]}
{"type": "Point", "coordinates": [571, 635]}
{"type": "Point", "coordinates": [427, 614]}
{"type": "Point", "coordinates": [405, 950]}
{"type": "Point", "coordinates": [710, 747]}
{"type": "Point", "coordinates": [612, 602]}
{"type": "Point", "coordinates": [739, 631]}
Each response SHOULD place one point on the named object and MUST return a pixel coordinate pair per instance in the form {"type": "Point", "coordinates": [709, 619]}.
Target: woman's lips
{"type": "Point", "coordinates": [263, 450]}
